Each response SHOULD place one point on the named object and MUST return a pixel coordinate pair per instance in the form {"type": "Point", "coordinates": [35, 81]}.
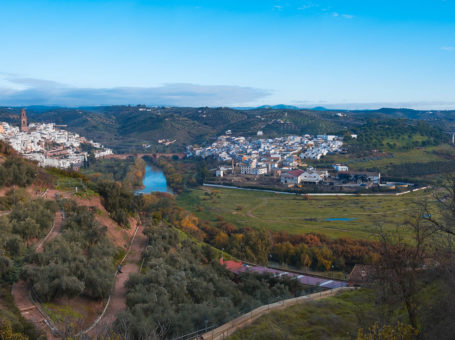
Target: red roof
{"type": "Point", "coordinates": [296, 173]}
{"type": "Point", "coordinates": [231, 265]}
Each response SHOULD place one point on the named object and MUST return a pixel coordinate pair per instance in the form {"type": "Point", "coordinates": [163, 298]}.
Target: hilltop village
{"type": "Point", "coordinates": [269, 150]}
{"type": "Point", "coordinates": [281, 162]}
{"type": "Point", "coordinates": [49, 145]}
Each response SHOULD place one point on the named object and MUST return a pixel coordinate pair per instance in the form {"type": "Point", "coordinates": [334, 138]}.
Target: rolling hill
{"type": "Point", "coordinates": [128, 128]}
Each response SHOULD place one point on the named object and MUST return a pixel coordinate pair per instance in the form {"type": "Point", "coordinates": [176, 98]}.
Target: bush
{"type": "Point", "coordinates": [78, 262]}
{"type": "Point", "coordinates": [17, 171]}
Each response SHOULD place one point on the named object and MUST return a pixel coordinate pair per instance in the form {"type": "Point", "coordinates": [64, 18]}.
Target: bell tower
{"type": "Point", "coordinates": [24, 126]}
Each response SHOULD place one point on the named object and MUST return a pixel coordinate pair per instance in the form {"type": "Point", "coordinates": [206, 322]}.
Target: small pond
{"type": "Point", "coordinates": [334, 219]}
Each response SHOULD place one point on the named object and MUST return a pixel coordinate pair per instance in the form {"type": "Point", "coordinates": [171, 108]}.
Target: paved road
{"type": "Point", "coordinates": [303, 278]}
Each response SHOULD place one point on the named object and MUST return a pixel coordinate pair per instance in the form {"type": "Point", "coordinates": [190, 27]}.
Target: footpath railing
{"type": "Point", "coordinates": [196, 334]}
{"type": "Point", "coordinates": [229, 328]}
{"type": "Point", "coordinates": [33, 297]}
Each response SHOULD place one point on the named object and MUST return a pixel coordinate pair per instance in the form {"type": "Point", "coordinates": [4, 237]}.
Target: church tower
{"type": "Point", "coordinates": [24, 126]}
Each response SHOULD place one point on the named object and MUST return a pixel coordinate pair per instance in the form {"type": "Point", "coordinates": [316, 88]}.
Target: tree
{"type": "Point", "coordinates": [305, 260]}
{"type": "Point", "coordinates": [400, 262]}
{"type": "Point", "coordinates": [17, 171]}
{"type": "Point", "coordinates": [284, 251]}
{"type": "Point", "coordinates": [221, 240]}
{"type": "Point", "coordinates": [27, 229]}
{"type": "Point", "coordinates": [6, 331]}
{"type": "Point", "coordinates": [323, 257]}
{"type": "Point", "coordinates": [5, 265]}
{"type": "Point", "coordinates": [257, 245]}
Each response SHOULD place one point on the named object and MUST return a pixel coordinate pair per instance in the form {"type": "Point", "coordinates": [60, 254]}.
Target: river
{"type": "Point", "coordinates": [154, 180]}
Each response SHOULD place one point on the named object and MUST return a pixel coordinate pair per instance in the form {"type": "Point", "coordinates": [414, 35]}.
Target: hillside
{"type": "Point", "coordinates": [62, 247]}
{"type": "Point", "coordinates": [128, 128]}
{"type": "Point", "coordinates": [63, 244]}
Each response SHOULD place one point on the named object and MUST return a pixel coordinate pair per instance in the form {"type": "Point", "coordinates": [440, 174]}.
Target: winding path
{"type": "Point", "coordinates": [21, 291]}
{"type": "Point", "coordinates": [55, 230]}
{"type": "Point", "coordinates": [117, 300]}
{"type": "Point", "coordinates": [260, 205]}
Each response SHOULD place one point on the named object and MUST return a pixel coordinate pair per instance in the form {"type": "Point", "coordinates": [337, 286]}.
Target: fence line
{"type": "Point", "coordinates": [47, 319]}
{"type": "Point", "coordinates": [230, 327]}
{"type": "Point", "coordinates": [195, 334]}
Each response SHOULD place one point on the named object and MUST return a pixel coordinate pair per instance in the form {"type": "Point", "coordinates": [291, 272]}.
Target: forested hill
{"type": "Point", "coordinates": [128, 128]}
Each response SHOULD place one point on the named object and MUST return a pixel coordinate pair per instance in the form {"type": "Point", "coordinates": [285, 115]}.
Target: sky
{"type": "Point", "coordinates": [331, 53]}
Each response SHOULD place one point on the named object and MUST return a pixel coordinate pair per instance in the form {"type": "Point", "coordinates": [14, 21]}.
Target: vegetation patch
{"type": "Point", "coordinates": [129, 171]}
{"type": "Point", "coordinates": [299, 214]}
{"type": "Point", "coordinates": [79, 262]}
{"type": "Point", "coordinates": [182, 285]}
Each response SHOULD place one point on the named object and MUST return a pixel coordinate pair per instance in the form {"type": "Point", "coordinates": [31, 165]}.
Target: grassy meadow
{"type": "Point", "coordinates": [416, 155]}
{"type": "Point", "coordinates": [337, 317]}
{"type": "Point", "coordinates": [357, 217]}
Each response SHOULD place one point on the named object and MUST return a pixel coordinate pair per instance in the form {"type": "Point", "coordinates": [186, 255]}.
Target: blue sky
{"type": "Point", "coordinates": [226, 52]}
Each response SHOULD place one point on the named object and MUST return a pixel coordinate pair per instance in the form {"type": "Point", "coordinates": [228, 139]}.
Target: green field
{"type": "Point", "coordinates": [298, 215]}
{"type": "Point", "coordinates": [416, 155]}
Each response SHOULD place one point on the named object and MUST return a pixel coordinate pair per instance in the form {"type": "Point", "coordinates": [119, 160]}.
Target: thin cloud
{"type": "Point", "coordinates": [345, 16]}
{"type": "Point", "coordinates": [44, 92]}
{"type": "Point", "coordinates": [307, 5]}
{"type": "Point", "coordinates": [447, 48]}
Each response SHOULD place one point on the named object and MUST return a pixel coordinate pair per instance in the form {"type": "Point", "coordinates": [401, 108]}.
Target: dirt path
{"type": "Point", "coordinates": [21, 292]}
{"type": "Point", "coordinates": [117, 301]}
{"type": "Point", "coordinates": [55, 230]}
{"type": "Point", "coordinates": [28, 310]}
{"type": "Point", "coordinates": [250, 212]}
